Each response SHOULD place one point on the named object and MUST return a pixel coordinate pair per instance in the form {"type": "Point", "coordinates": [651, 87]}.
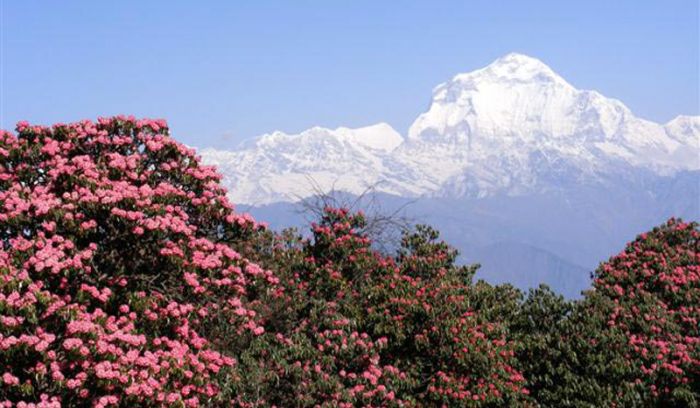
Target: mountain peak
{"type": "Point", "coordinates": [380, 136]}
{"type": "Point", "coordinates": [513, 67]}
{"type": "Point", "coordinates": [514, 94]}
{"type": "Point", "coordinates": [520, 60]}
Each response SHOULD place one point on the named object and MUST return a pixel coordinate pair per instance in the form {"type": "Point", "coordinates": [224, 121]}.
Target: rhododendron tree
{"type": "Point", "coordinates": [653, 288]}
{"type": "Point", "coordinates": [115, 259]}
{"type": "Point", "coordinates": [634, 340]}
{"type": "Point", "coordinates": [358, 328]}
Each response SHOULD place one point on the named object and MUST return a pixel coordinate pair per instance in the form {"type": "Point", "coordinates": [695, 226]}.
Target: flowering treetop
{"type": "Point", "coordinates": [115, 252]}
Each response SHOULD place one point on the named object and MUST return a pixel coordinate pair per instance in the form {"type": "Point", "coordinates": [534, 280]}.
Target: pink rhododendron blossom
{"type": "Point", "coordinates": [75, 200]}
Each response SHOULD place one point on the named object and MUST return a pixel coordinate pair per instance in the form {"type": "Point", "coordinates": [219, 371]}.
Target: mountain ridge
{"type": "Point", "coordinates": [513, 127]}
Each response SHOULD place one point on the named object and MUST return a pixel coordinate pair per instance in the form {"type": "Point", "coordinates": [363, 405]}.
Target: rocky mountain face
{"type": "Point", "coordinates": [512, 132]}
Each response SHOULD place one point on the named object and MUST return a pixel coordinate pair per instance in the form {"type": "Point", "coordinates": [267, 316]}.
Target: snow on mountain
{"type": "Point", "coordinates": [685, 129]}
{"type": "Point", "coordinates": [283, 167]}
{"type": "Point", "coordinates": [513, 127]}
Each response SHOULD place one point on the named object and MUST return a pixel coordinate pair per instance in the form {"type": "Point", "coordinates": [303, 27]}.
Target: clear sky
{"type": "Point", "coordinates": [223, 71]}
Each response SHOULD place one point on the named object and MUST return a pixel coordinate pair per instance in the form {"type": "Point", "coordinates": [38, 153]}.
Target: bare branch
{"type": "Point", "coordinates": [385, 228]}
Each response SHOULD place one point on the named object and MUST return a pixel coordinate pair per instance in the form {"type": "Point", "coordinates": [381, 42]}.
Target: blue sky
{"type": "Point", "coordinates": [220, 72]}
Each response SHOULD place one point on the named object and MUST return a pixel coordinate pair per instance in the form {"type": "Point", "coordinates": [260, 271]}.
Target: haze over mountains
{"type": "Point", "coordinates": [521, 171]}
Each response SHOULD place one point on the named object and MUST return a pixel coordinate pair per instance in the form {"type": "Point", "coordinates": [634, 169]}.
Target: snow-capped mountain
{"type": "Point", "coordinates": [522, 172]}
{"type": "Point", "coordinates": [282, 167]}
{"type": "Point", "coordinates": [514, 127]}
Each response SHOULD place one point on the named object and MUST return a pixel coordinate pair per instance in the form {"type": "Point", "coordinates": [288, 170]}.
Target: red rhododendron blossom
{"type": "Point", "coordinates": [654, 287]}
{"type": "Point", "coordinates": [374, 330]}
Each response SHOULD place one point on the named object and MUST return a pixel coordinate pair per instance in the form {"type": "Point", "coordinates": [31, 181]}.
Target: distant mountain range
{"type": "Point", "coordinates": [537, 180]}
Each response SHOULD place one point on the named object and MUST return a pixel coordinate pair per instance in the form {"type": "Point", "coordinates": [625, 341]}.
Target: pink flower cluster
{"type": "Point", "coordinates": [107, 227]}
{"type": "Point", "coordinates": [658, 311]}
